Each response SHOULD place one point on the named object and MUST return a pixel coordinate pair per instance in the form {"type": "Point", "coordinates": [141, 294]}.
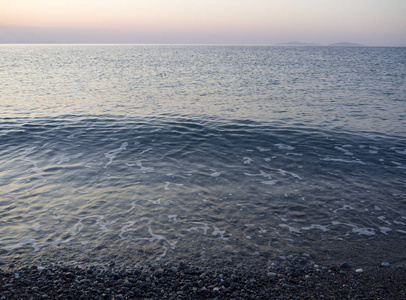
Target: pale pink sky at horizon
{"type": "Point", "coordinates": [372, 22]}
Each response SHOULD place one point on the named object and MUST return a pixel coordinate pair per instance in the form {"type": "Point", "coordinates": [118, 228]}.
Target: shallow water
{"type": "Point", "coordinates": [153, 153]}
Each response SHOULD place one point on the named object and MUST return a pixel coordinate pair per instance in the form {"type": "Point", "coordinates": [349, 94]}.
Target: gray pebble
{"type": "Point", "coordinates": [272, 274]}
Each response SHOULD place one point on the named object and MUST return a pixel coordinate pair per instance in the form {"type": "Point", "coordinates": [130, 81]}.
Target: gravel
{"type": "Point", "coordinates": [293, 280]}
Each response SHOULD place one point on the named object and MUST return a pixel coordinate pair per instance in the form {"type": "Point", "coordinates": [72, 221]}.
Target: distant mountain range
{"type": "Point", "coordinates": [340, 44]}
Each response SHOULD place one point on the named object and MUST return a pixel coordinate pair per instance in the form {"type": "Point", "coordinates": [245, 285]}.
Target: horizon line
{"type": "Point", "coordinates": [288, 44]}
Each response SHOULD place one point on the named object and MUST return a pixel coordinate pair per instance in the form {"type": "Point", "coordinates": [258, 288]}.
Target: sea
{"type": "Point", "coordinates": [209, 154]}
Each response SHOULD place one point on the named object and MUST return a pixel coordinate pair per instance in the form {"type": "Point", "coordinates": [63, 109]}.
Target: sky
{"type": "Point", "coordinates": [369, 22]}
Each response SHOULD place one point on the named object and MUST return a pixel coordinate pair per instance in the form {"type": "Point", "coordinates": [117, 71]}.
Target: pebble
{"type": "Point", "coordinates": [345, 265]}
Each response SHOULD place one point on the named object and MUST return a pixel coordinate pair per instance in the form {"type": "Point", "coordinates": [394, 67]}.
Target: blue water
{"type": "Point", "coordinates": [236, 154]}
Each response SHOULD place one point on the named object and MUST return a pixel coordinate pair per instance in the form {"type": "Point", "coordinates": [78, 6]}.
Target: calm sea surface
{"type": "Point", "coordinates": [235, 154]}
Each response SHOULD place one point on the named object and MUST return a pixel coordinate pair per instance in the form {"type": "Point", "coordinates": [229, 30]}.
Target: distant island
{"type": "Point", "coordinates": [340, 44]}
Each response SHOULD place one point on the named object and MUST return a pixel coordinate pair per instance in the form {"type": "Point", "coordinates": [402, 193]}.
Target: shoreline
{"type": "Point", "coordinates": [297, 278]}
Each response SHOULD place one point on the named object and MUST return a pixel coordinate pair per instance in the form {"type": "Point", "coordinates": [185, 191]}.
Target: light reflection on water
{"type": "Point", "coordinates": [357, 89]}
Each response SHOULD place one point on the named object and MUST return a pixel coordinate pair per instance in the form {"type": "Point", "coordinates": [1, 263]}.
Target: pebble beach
{"type": "Point", "coordinates": [292, 278]}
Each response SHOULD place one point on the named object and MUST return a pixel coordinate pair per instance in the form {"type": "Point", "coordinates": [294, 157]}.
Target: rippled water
{"type": "Point", "coordinates": [204, 153]}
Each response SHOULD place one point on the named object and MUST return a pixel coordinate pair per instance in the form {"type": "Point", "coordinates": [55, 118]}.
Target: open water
{"type": "Point", "coordinates": [237, 154]}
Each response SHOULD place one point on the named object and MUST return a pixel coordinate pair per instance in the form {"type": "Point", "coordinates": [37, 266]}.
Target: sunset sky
{"type": "Point", "coordinates": [370, 22]}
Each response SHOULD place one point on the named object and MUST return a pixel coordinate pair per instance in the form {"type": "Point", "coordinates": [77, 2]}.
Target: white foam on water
{"type": "Point", "coordinates": [385, 230]}
{"type": "Point", "coordinates": [377, 208]}
{"type": "Point", "coordinates": [156, 202]}
{"type": "Point", "coordinates": [215, 174]}
{"type": "Point", "coordinates": [345, 207]}
{"type": "Point", "coordinates": [144, 169]}
{"type": "Point", "coordinates": [217, 231]}
{"type": "Point", "coordinates": [252, 175]}
{"type": "Point", "coordinates": [270, 182]}
{"type": "Point", "coordinates": [401, 231]}
{"type": "Point", "coordinates": [145, 151]}
{"type": "Point", "coordinates": [263, 149]}
{"type": "Point", "coordinates": [294, 154]}
{"type": "Point", "coordinates": [247, 160]}
{"type": "Point", "coordinates": [267, 159]}
{"type": "Point", "coordinates": [154, 237]}
{"type": "Point", "coordinates": [125, 229]}
{"type": "Point", "coordinates": [347, 146]}
{"type": "Point", "coordinates": [261, 173]}
{"type": "Point", "coordinates": [383, 219]}
{"type": "Point", "coordinates": [396, 163]}
{"type": "Point", "coordinates": [173, 218]}
{"type": "Point", "coordinates": [291, 229]}
{"type": "Point", "coordinates": [401, 152]}
{"type": "Point", "coordinates": [316, 226]}
{"type": "Point", "coordinates": [112, 154]}
{"type": "Point", "coordinates": [163, 254]}
{"type": "Point", "coordinates": [167, 186]}
{"type": "Point", "coordinates": [357, 161]}
{"type": "Point", "coordinates": [76, 229]}
{"type": "Point", "coordinates": [205, 227]}
{"type": "Point", "coordinates": [284, 147]}
{"type": "Point", "coordinates": [283, 172]}
{"type": "Point", "coordinates": [129, 165]}
{"type": "Point", "coordinates": [356, 229]}
{"type": "Point", "coordinates": [345, 151]}
{"type": "Point", "coordinates": [399, 223]}
{"type": "Point", "coordinates": [22, 242]}
{"type": "Point", "coordinates": [103, 225]}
